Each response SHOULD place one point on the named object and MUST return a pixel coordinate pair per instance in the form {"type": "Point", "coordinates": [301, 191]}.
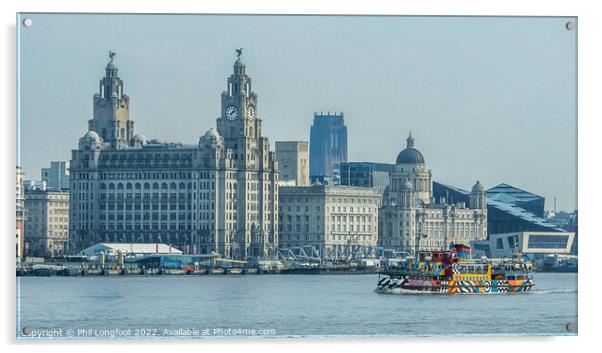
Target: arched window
{"type": "Point", "coordinates": [128, 186]}
{"type": "Point", "coordinates": [119, 186]}
{"type": "Point", "coordinates": [111, 186]}
{"type": "Point", "coordinates": [155, 185]}
{"type": "Point", "coordinates": [182, 186]}
{"type": "Point", "coordinates": [146, 186]}
{"type": "Point", "coordinates": [164, 186]}
{"type": "Point", "coordinates": [172, 186]}
{"type": "Point", "coordinates": [103, 186]}
{"type": "Point", "coordinates": [137, 186]}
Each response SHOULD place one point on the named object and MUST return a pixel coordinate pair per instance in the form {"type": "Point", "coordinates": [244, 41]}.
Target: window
{"type": "Point", "coordinates": [499, 243]}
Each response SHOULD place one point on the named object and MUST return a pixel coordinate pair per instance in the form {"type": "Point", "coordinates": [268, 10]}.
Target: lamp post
{"type": "Point", "coordinates": [419, 236]}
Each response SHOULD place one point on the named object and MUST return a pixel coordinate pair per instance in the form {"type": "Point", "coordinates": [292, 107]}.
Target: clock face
{"type": "Point", "coordinates": [231, 113]}
{"type": "Point", "coordinates": [251, 112]}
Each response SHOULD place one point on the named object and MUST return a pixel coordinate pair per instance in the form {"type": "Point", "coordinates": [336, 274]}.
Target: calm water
{"type": "Point", "coordinates": [281, 306]}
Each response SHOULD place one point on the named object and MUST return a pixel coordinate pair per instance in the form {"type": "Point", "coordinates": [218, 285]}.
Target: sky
{"type": "Point", "coordinates": [486, 98]}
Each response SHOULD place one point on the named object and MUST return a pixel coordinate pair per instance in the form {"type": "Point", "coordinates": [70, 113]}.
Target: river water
{"type": "Point", "coordinates": [280, 306]}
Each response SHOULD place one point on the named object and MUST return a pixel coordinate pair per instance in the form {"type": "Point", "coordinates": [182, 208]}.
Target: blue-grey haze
{"type": "Point", "coordinates": [486, 98]}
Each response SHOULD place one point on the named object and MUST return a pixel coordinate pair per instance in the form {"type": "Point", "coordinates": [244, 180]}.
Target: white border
{"type": "Point", "coordinates": [589, 25]}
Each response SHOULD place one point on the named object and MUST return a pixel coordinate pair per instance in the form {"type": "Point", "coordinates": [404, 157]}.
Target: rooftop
{"type": "Point", "coordinates": [508, 193]}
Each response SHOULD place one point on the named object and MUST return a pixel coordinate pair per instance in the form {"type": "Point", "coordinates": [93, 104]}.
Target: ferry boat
{"type": "Point", "coordinates": [455, 271]}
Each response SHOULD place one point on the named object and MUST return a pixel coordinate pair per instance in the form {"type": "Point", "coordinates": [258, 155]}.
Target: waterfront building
{"type": "Point", "coordinates": [327, 144]}
{"type": "Point", "coordinates": [330, 220]}
{"type": "Point", "coordinates": [411, 219]}
{"type": "Point", "coordinates": [367, 174]}
{"type": "Point", "coordinates": [534, 245]}
{"type": "Point", "coordinates": [504, 213]}
{"type": "Point", "coordinates": [293, 162]}
{"type": "Point", "coordinates": [47, 226]}
{"type": "Point", "coordinates": [56, 176]}
{"type": "Point", "coordinates": [219, 195]}
{"type": "Point", "coordinates": [20, 214]}
{"type": "Point", "coordinates": [509, 194]}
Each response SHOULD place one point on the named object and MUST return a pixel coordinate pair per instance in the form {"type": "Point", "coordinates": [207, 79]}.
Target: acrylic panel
{"type": "Point", "coordinates": [252, 176]}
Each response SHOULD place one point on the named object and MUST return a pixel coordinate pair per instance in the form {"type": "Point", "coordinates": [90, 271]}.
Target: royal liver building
{"type": "Point", "coordinates": [410, 217]}
{"type": "Point", "coordinates": [218, 195]}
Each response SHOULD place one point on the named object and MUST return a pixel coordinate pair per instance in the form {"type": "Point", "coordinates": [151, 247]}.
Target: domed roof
{"type": "Point", "coordinates": [410, 155]}
{"type": "Point", "coordinates": [111, 66]}
{"type": "Point", "coordinates": [211, 133]}
{"type": "Point", "coordinates": [92, 135]}
{"type": "Point", "coordinates": [140, 138]}
{"type": "Point", "coordinates": [478, 187]}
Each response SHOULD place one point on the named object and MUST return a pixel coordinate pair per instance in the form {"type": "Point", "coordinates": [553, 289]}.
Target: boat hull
{"type": "Point", "coordinates": [405, 285]}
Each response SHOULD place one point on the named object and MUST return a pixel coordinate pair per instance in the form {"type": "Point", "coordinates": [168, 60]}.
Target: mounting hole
{"type": "Point", "coordinates": [570, 25]}
{"type": "Point", "coordinates": [571, 327]}
{"type": "Point", "coordinates": [27, 22]}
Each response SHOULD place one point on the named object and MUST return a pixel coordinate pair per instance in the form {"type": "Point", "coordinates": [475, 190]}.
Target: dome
{"type": "Point", "coordinates": [140, 138]}
{"type": "Point", "coordinates": [111, 66]}
{"type": "Point", "coordinates": [211, 133]}
{"type": "Point", "coordinates": [210, 137]}
{"type": "Point", "coordinates": [92, 136]}
{"type": "Point", "coordinates": [410, 155]}
{"type": "Point", "coordinates": [478, 187]}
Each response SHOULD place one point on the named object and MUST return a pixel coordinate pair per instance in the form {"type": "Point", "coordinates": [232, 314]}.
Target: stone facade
{"type": "Point", "coordinates": [20, 213]}
{"type": "Point", "coordinates": [334, 219]}
{"type": "Point", "coordinates": [293, 162]}
{"type": "Point", "coordinates": [47, 227]}
{"type": "Point", "coordinates": [219, 195]}
{"type": "Point", "coordinates": [411, 219]}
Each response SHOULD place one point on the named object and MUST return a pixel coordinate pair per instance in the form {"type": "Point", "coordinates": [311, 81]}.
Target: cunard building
{"type": "Point", "coordinates": [219, 195]}
{"type": "Point", "coordinates": [411, 218]}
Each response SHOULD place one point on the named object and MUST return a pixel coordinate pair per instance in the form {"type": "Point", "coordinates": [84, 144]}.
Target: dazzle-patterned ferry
{"type": "Point", "coordinates": [455, 271]}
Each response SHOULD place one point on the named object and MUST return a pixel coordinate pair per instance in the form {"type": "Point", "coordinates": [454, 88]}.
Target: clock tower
{"type": "Point", "coordinates": [238, 119]}
{"type": "Point", "coordinates": [249, 172]}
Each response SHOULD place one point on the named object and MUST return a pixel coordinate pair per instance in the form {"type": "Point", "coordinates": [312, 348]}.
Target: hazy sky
{"type": "Point", "coordinates": [492, 99]}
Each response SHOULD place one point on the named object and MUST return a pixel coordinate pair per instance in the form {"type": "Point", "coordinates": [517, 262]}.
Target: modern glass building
{"type": "Point", "coordinates": [367, 174]}
{"type": "Point", "coordinates": [509, 209]}
{"type": "Point", "coordinates": [509, 194]}
{"type": "Point", "coordinates": [530, 244]}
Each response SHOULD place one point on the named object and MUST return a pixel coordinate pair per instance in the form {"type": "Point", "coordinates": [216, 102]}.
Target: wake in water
{"type": "Point", "coordinates": [553, 291]}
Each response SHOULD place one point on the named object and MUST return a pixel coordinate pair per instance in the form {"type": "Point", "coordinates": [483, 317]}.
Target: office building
{"type": "Point", "coordinates": [293, 162]}
{"type": "Point", "coordinates": [218, 195]}
{"type": "Point", "coordinates": [504, 212]}
{"type": "Point", "coordinates": [411, 219]}
{"type": "Point", "coordinates": [47, 226]}
{"type": "Point", "coordinates": [327, 144]}
{"type": "Point", "coordinates": [367, 174]}
{"type": "Point", "coordinates": [56, 176]}
{"type": "Point", "coordinates": [333, 221]}
{"type": "Point", "coordinates": [21, 214]}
